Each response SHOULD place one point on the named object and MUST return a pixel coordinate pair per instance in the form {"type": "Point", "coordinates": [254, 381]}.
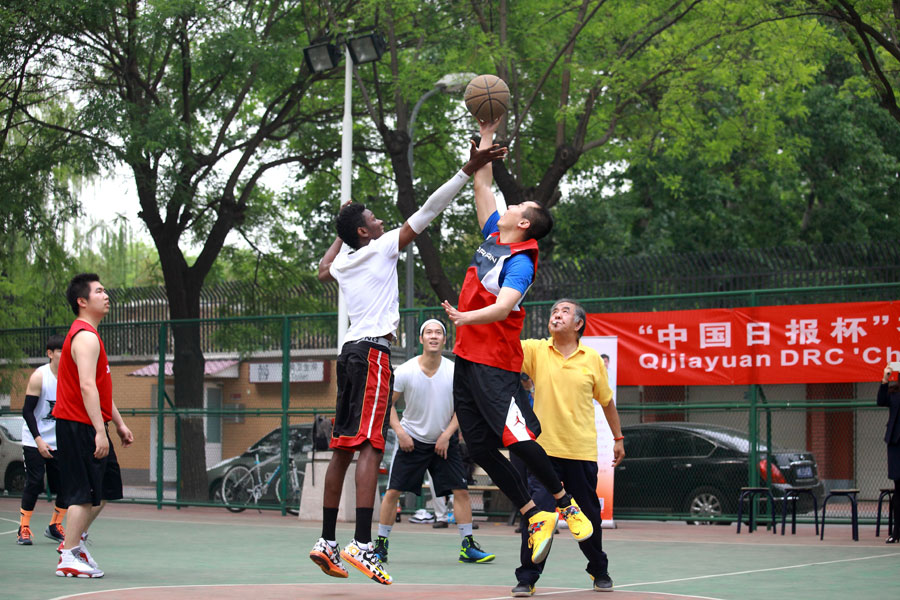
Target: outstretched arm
{"type": "Point", "coordinates": [499, 310]}
{"type": "Point", "coordinates": [441, 198]}
{"type": "Point", "coordinates": [485, 202]}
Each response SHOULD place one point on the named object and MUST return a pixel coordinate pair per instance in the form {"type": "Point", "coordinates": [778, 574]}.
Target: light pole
{"type": "Point", "coordinates": [324, 56]}
{"type": "Point", "coordinates": [450, 83]}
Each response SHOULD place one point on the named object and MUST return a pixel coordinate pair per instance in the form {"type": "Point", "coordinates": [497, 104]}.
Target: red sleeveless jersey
{"type": "Point", "coordinates": [69, 402]}
{"type": "Point", "coordinates": [494, 344]}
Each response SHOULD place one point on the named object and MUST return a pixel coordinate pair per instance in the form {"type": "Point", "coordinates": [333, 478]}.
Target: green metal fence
{"type": "Point", "coordinates": [181, 443]}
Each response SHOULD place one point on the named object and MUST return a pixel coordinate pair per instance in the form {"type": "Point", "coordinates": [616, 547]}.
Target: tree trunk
{"type": "Point", "coordinates": [188, 371]}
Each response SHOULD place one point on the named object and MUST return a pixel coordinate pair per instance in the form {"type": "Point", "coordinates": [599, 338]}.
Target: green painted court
{"type": "Point", "coordinates": [210, 553]}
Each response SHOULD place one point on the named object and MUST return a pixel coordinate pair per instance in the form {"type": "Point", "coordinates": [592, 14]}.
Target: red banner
{"type": "Point", "coordinates": [811, 343]}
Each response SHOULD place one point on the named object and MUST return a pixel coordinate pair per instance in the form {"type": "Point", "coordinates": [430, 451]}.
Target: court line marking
{"type": "Point", "coordinates": [784, 568]}
{"type": "Point", "coordinates": [504, 597]}
{"type": "Point", "coordinates": [16, 530]}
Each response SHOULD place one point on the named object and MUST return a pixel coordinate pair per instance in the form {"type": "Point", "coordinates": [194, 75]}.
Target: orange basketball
{"type": "Point", "coordinates": [487, 97]}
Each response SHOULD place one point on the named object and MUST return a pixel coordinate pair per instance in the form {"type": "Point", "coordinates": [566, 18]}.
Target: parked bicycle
{"type": "Point", "coordinates": [242, 485]}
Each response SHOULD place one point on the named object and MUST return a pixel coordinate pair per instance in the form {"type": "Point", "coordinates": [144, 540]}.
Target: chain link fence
{"type": "Point", "coordinates": [224, 400]}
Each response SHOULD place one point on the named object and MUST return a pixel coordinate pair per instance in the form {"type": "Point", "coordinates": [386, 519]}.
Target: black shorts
{"type": "Point", "coordinates": [492, 406]}
{"type": "Point", "coordinates": [408, 468]}
{"type": "Point", "coordinates": [85, 479]}
{"type": "Point", "coordinates": [365, 380]}
{"type": "Point", "coordinates": [35, 468]}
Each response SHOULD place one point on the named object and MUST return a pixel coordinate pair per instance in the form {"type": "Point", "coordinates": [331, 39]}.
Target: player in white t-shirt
{"type": "Point", "coordinates": [428, 440]}
{"type": "Point", "coordinates": [39, 446]}
{"type": "Point", "coordinates": [363, 260]}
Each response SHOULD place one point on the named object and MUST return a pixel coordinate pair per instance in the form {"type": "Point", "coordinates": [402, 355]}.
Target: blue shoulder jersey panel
{"type": "Point", "coordinates": [518, 271]}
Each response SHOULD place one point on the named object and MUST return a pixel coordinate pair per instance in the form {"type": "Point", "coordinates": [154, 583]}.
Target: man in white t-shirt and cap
{"type": "Point", "coordinates": [363, 260]}
{"type": "Point", "coordinates": [428, 440]}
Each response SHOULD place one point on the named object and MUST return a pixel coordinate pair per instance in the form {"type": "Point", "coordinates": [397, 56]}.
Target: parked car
{"type": "Point", "coordinates": [269, 445]}
{"type": "Point", "coordinates": [12, 462]}
{"type": "Point", "coordinates": [697, 470]}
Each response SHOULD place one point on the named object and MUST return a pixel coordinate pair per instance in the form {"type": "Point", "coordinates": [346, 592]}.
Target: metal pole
{"type": "Point", "coordinates": [285, 406]}
{"type": "Point", "coordinates": [346, 175]}
{"type": "Point", "coordinates": [160, 419]}
{"type": "Point", "coordinates": [410, 273]}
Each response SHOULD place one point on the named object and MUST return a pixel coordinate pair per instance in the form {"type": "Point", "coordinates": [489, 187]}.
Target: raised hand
{"type": "Point", "coordinates": [478, 158]}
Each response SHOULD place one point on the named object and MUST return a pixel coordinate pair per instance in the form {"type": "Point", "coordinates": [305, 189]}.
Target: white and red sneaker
{"type": "Point", "coordinates": [73, 563]}
{"type": "Point", "coordinates": [82, 548]}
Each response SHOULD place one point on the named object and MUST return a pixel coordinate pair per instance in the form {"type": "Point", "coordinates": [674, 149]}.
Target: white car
{"type": "Point", "coordinates": [12, 463]}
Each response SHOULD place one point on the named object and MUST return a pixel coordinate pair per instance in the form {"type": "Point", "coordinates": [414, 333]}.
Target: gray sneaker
{"type": "Point", "coordinates": [603, 583]}
{"type": "Point", "coordinates": [523, 590]}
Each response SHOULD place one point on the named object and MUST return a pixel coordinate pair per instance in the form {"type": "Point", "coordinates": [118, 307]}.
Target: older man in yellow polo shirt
{"type": "Point", "coordinates": [567, 377]}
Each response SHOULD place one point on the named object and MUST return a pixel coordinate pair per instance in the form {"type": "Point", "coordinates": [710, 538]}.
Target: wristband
{"type": "Point", "coordinates": [616, 439]}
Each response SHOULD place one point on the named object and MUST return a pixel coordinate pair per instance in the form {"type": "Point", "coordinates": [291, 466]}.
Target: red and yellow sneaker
{"type": "Point", "coordinates": [578, 523]}
{"type": "Point", "coordinates": [540, 535]}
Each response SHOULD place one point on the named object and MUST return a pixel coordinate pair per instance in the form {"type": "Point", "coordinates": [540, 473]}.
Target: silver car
{"type": "Point", "coordinates": [12, 463]}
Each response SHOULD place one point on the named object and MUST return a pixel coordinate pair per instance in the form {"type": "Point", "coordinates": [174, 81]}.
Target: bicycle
{"type": "Point", "coordinates": [242, 485]}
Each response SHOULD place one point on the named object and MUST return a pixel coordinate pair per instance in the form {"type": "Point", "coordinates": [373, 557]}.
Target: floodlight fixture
{"type": "Point", "coordinates": [366, 48]}
{"type": "Point", "coordinates": [322, 57]}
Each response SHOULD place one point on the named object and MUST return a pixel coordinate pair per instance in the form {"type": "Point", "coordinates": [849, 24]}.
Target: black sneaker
{"type": "Point", "coordinates": [55, 532]}
{"type": "Point", "coordinates": [380, 547]}
{"type": "Point", "coordinates": [440, 525]}
{"type": "Point", "coordinates": [603, 583]}
{"type": "Point", "coordinates": [523, 590]}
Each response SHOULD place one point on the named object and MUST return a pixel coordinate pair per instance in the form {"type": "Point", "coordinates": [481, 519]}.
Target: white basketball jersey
{"type": "Point", "coordinates": [43, 412]}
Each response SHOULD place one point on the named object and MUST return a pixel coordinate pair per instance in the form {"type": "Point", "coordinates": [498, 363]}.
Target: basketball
{"type": "Point", "coordinates": [487, 97]}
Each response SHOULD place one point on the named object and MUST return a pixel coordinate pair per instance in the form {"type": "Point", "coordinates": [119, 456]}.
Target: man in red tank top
{"type": "Point", "coordinates": [88, 466]}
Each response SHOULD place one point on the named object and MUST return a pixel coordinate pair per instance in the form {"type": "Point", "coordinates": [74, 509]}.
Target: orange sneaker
{"type": "Point", "coordinates": [24, 536]}
{"type": "Point", "coordinates": [328, 558]}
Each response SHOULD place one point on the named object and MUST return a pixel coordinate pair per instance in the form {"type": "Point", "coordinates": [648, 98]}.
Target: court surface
{"type": "Point", "coordinates": [210, 553]}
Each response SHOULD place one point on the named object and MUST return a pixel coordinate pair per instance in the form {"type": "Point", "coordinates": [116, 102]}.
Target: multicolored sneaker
{"type": "Point", "coordinates": [56, 532]}
{"type": "Point", "coordinates": [540, 535]}
{"type": "Point", "coordinates": [24, 536]}
{"type": "Point", "coordinates": [380, 547]}
{"type": "Point", "coordinates": [471, 552]}
{"type": "Point", "coordinates": [578, 523]}
{"type": "Point", "coordinates": [72, 563]}
{"type": "Point", "coordinates": [363, 558]}
{"type": "Point", "coordinates": [328, 558]}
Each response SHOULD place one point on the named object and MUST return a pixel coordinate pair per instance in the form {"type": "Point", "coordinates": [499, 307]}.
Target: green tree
{"type": "Point", "coordinates": [200, 100]}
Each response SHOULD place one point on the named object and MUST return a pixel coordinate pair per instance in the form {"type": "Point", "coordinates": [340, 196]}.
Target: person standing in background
{"type": "Point", "coordinates": [39, 446]}
{"type": "Point", "coordinates": [889, 396]}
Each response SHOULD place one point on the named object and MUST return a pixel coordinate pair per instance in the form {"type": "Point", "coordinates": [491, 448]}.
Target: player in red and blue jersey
{"type": "Point", "coordinates": [491, 406]}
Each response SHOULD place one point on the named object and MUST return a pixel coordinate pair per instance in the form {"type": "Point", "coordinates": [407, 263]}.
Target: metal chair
{"type": "Point", "coordinates": [793, 494]}
{"type": "Point", "coordinates": [854, 515]}
{"type": "Point", "coordinates": [751, 493]}
{"type": "Point", "coordinates": [889, 494]}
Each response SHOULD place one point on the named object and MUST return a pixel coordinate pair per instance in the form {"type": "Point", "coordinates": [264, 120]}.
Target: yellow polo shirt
{"type": "Point", "coordinates": [563, 392]}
